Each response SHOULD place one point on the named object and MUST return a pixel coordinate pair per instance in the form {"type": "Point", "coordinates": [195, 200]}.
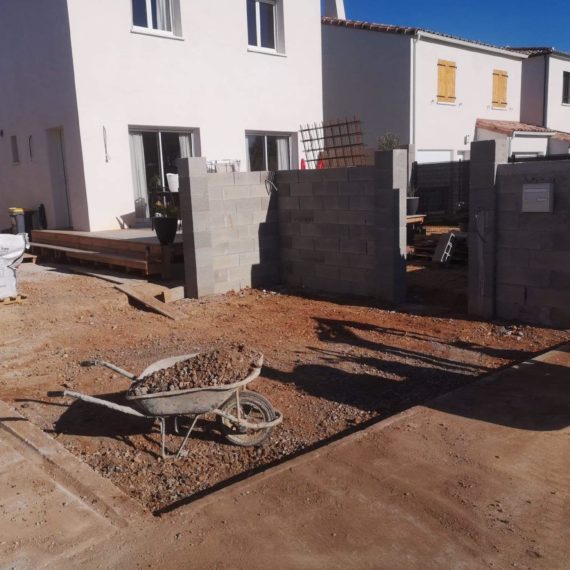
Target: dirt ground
{"type": "Point", "coordinates": [330, 366]}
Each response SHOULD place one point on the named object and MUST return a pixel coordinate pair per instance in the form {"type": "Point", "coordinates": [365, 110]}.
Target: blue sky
{"type": "Point", "coordinates": [510, 22]}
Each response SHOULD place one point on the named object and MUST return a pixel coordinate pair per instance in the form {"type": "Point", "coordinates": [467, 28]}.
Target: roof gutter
{"type": "Point", "coordinates": [533, 134]}
{"type": "Point", "coordinates": [472, 45]}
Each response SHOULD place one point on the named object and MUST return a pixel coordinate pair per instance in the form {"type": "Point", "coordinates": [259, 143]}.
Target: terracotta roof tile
{"type": "Point", "coordinates": [510, 127]}
{"type": "Point", "coordinates": [536, 51]}
{"type": "Point", "coordinates": [402, 30]}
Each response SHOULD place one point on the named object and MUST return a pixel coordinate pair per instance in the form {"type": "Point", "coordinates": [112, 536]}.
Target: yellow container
{"type": "Point", "coordinates": [15, 211]}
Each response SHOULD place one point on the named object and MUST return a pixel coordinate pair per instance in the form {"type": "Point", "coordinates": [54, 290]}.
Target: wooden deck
{"type": "Point", "coordinates": [130, 250]}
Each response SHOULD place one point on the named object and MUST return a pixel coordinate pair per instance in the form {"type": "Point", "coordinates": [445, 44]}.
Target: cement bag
{"type": "Point", "coordinates": [12, 249]}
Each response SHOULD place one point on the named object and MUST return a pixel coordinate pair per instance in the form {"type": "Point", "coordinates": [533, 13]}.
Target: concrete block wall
{"type": "Point", "coordinates": [344, 230]}
{"type": "Point", "coordinates": [533, 249]}
{"type": "Point", "coordinates": [231, 231]}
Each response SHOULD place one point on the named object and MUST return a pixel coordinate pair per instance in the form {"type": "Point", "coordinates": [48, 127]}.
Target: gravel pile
{"type": "Point", "coordinates": [217, 367]}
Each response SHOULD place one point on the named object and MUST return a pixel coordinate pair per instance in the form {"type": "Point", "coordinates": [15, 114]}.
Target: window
{"type": "Point", "coordinates": [262, 24]}
{"type": "Point", "coordinates": [500, 88]}
{"type": "Point", "coordinates": [154, 156]}
{"type": "Point", "coordinates": [566, 88]}
{"type": "Point", "coordinates": [153, 14]}
{"type": "Point", "coordinates": [15, 150]}
{"type": "Point", "coordinates": [268, 152]}
{"type": "Point", "coordinates": [446, 75]}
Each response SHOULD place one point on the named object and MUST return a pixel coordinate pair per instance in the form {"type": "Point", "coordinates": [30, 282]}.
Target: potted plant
{"type": "Point", "coordinates": [166, 222]}
{"type": "Point", "coordinates": [413, 201]}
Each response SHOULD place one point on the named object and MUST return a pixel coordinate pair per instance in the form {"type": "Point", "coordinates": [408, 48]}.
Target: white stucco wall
{"type": "Point", "coordinates": [367, 74]}
{"type": "Point", "coordinates": [207, 81]}
{"type": "Point", "coordinates": [520, 143]}
{"type": "Point", "coordinates": [532, 101]}
{"type": "Point", "coordinates": [445, 126]}
{"type": "Point", "coordinates": [36, 94]}
{"type": "Point", "coordinates": [558, 113]}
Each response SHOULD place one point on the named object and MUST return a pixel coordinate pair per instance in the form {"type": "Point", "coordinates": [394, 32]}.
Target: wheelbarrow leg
{"type": "Point", "coordinates": [162, 422]}
{"type": "Point", "coordinates": [186, 438]}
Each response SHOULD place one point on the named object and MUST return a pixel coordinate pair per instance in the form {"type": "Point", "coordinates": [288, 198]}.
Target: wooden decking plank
{"type": "Point", "coordinates": [150, 302]}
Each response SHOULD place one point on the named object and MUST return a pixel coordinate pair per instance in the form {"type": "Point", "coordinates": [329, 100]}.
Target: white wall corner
{"type": "Point", "coordinates": [335, 9]}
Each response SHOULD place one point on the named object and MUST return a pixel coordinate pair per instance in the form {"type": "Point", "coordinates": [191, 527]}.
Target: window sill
{"type": "Point", "coordinates": [499, 108]}
{"type": "Point", "coordinates": [265, 51]}
{"type": "Point", "coordinates": [447, 104]}
{"type": "Point", "coordinates": [566, 104]}
{"type": "Point", "coordinates": [156, 33]}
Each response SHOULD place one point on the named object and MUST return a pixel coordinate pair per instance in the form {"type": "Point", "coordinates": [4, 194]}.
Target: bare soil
{"type": "Point", "coordinates": [331, 365]}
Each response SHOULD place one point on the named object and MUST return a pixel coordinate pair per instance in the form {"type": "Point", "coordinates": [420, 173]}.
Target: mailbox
{"type": "Point", "coordinates": [538, 197]}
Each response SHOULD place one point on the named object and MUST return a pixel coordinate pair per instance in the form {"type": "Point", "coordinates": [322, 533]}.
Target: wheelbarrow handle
{"type": "Point", "coordinates": [117, 369]}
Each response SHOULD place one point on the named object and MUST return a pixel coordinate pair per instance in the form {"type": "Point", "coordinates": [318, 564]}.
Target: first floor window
{"type": "Point", "coordinates": [500, 88]}
{"type": "Point", "coordinates": [566, 88]}
{"type": "Point", "coordinates": [446, 77]}
{"type": "Point", "coordinates": [154, 156]}
{"type": "Point", "coordinates": [261, 23]}
{"type": "Point", "coordinates": [153, 14]}
{"type": "Point", "coordinates": [268, 152]}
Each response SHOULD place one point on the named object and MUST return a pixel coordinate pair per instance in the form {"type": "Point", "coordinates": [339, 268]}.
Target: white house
{"type": "Point", "coordinates": [99, 99]}
{"type": "Point", "coordinates": [427, 88]}
{"type": "Point", "coordinates": [546, 93]}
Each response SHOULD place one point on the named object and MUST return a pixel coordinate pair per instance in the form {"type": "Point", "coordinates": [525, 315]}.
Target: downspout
{"type": "Point", "coordinates": [546, 81]}
{"type": "Point", "coordinates": [414, 90]}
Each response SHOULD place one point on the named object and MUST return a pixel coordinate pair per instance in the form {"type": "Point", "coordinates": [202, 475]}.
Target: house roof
{"type": "Point", "coordinates": [510, 127]}
{"type": "Point", "coordinates": [562, 137]}
{"type": "Point", "coordinates": [538, 51]}
{"type": "Point", "coordinates": [411, 31]}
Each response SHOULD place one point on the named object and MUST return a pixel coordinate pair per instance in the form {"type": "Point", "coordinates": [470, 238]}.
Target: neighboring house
{"type": "Point", "coordinates": [546, 93]}
{"type": "Point", "coordinates": [427, 88]}
{"type": "Point", "coordinates": [99, 99]}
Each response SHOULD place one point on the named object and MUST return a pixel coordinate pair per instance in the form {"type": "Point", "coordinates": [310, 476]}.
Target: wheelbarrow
{"type": "Point", "coordinates": [244, 417]}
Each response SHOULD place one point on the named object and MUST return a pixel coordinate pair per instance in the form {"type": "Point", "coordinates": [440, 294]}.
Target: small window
{"type": "Point", "coordinates": [153, 14]}
{"type": "Point", "coordinates": [262, 24]}
{"type": "Point", "coordinates": [500, 89]}
{"type": "Point", "coordinates": [566, 88]}
{"type": "Point", "coordinates": [268, 152]}
{"type": "Point", "coordinates": [15, 151]}
{"type": "Point", "coordinates": [446, 76]}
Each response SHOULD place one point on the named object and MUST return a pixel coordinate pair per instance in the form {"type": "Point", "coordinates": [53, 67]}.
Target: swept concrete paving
{"type": "Point", "coordinates": [478, 479]}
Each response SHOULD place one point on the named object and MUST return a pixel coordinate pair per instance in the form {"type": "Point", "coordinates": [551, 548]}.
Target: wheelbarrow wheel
{"type": "Point", "coordinates": [254, 409]}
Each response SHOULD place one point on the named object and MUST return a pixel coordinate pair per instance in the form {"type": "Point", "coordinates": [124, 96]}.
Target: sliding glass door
{"type": "Point", "coordinates": [153, 158]}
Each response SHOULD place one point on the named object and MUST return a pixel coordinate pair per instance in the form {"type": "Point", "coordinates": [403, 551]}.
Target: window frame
{"type": "Point", "coordinates": [276, 35]}
{"type": "Point", "coordinates": [265, 135]}
{"type": "Point", "coordinates": [566, 87]}
{"type": "Point", "coordinates": [443, 68]}
{"type": "Point", "coordinates": [149, 29]}
{"type": "Point", "coordinates": [500, 76]}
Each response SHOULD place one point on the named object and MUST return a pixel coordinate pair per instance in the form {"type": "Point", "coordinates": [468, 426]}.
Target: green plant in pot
{"type": "Point", "coordinates": [166, 222]}
{"type": "Point", "coordinates": [413, 201]}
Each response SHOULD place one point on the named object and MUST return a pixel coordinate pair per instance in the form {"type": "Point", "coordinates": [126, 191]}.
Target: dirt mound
{"type": "Point", "coordinates": [218, 367]}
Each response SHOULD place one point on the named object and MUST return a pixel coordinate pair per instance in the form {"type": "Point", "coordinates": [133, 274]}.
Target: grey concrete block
{"type": "Point", "coordinates": [326, 216]}
{"type": "Point", "coordinates": [288, 202]}
{"type": "Point", "coordinates": [559, 278]}
{"type": "Point", "coordinates": [358, 188]}
{"type": "Point", "coordinates": [526, 276]}
{"type": "Point", "coordinates": [337, 174]}
{"type": "Point", "coordinates": [239, 273]}
{"type": "Point", "coordinates": [250, 258]}
{"type": "Point", "coordinates": [313, 256]}
{"type": "Point", "coordinates": [511, 293]}
{"type": "Point", "coordinates": [312, 202]}
{"type": "Point", "coordinates": [302, 189]}
{"type": "Point", "coordinates": [234, 192]}
{"type": "Point", "coordinates": [353, 246]}
{"type": "Point", "coordinates": [513, 257]}
{"type": "Point", "coordinates": [554, 298]}
{"type": "Point", "coordinates": [260, 191]}
{"type": "Point", "coordinates": [361, 173]}
{"type": "Point", "coordinates": [549, 259]}
{"type": "Point", "coordinates": [302, 242]}
{"type": "Point", "coordinates": [327, 244]}
{"type": "Point", "coordinates": [303, 216]}
{"type": "Point", "coordinates": [220, 276]}
{"type": "Point", "coordinates": [250, 178]}
{"type": "Point", "coordinates": [239, 219]}
{"type": "Point", "coordinates": [286, 177]}
{"type": "Point", "coordinates": [221, 179]}
{"type": "Point", "coordinates": [221, 288]}
{"type": "Point", "coordinates": [328, 188]}
{"type": "Point", "coordinates": [366, 203]}
{"type": "Point", "coordinates": [369, 261]}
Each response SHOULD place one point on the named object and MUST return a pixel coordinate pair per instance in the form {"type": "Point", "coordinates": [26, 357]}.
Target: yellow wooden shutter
{"type": "Point", "coordinates": [446, 77]}
{"type": "Point", "coordinates": [500, 88]}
